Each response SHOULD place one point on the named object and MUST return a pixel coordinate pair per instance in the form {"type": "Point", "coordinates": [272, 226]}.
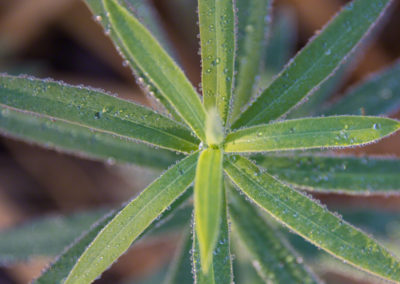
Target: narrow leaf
{"type": "Point", "coordinates": [312, 221]}
{"type": "Point", "coordinates": [46, 236]}
{"type": "Point", "coordinates": [343, 174]}
{"type": "Point", "coordinates": [131, 221]}
{"type": "Point", "coordinates": [307, 133]}
{"type": "Point", "coordinates": [148, 16]}
{"type": "Point", "coordinates": [217, 35]}
{"type": "Point", "coordinates": [383, 224]}
{"type": "Point", "coordinates": [180, 270]}
{"type": "Point", "coordinates": [379, 94]}
{"type": "Point", "coordinates": [274, 260]}
{"type": "Point", "coordinates": [79, 140]}
{"type": "Point", "coordinates": [208, 202]}
{"type": "Point", "coordinates": [220, 271]}
{"type": "Point", "coordinates": [146, 13]}
{"type": "Point", "coordinates": [253, 22]}
{"type": "Point", "coordinates": [152, 60]}
{"type": "Point", "coordinates": [62, 266]}
{"type": "Point", "coordinates": [95, 109]}
{"type": "Point", "coordinates": [315, 62]}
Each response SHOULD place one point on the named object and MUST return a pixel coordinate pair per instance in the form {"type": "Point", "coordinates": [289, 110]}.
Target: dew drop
{"type": "Point", "coordinates": [376, 126]}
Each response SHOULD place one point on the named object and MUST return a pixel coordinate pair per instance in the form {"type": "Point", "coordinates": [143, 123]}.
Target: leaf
{"type": "Point", "coordinates": [60, 269]}
{"type": "Point", "coordinates": [377, 95]}
{"type": "Point", "coordinates": [272, 257]}
{"type": "Point", "coordinates": [75, 139]}
{"type": "Point", "coordinates": [161, 70]}
{"type": "Point", "coordinates": [220, 271]}
{"type": "Point", "coordinates": [342, 174]}
{"type": "Point", "coordinates": [46, 236]}
{"type": "Point", "coordinates": [144, 10]}
{"type": "Point", "coordinates": [217, 35]}
{"type": "Point", "coordinates": [171, 221]}
{"type": "Point", "coordinates": [383, 224]}
{"type": "Point", "coordinates": [307, 133]}
{"type": "Point", "coordinates": [131, 221]}
{"type": "Point", "coordinates": [95, 109]}
{"type": "Point", "coordinates": [253, 23]}
{"type": "Point", "coordinates": [180, 270]}
{"type": "Point", "coordinates": [148, 16]}
{"type": "Point", "coordinates": [315, 62]}
{"type": "Point", "coordinates": [312, 221]}
{"type": "Point", "coordinates": [281, 45]}
{"type": "Point", "coordinates": [208, 202]}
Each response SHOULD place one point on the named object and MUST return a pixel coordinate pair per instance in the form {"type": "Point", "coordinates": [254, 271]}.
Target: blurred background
{"type": "Point", "coordinates": [59, 39]}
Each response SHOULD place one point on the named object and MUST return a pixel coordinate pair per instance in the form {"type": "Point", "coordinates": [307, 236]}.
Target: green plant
{"type": "Point", "coordinates": [212, 135]}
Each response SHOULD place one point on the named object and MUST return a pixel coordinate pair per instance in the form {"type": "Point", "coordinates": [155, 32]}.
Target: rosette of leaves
{"type": "Point", "coordinates": [231, 145]}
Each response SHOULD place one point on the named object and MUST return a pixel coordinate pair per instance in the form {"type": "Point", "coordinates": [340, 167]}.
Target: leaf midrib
{"type": "Point", "coordinates": [296, 135]}
{"type": "Point", "coordinates": [106, 114]}
{"type": "Point", "coordinates": [90, 128]}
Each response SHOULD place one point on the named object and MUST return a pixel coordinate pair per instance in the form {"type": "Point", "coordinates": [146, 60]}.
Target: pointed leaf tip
{"type": "Point", "coordinates": [308, 133]}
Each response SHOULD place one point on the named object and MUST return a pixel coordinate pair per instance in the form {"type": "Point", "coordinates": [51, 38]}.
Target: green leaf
{"type": "Point", "coordinates": [253, 23]}
{"type": "Point", "coordinates": [281, 45]}
{"type": "Point", "coordinates": [169, 221]}
{"type": "Point", "coordinates": [143, 10]}
{"type": "Point", "coordinates": [272, 257]}
{"type": "Point", "coordinates": [79, 140]}
{"type": "Point", "coordinates": [383, 224]}
{"type": "Point", "coordinates": [161, 70]}
{"type": "Point", "coordinates": [96, 110]}
{"type": "Point", "coordinates": [147, 15]}
{"type": "Point", "coordinates": [64, 263]}
{"type": "Point", "coordinates": [217, 35]}
{"type": "Point", "coordinates": [307, 133]}
{"type": "Point", "coordinates": [220, 271]}
{"type": "Point", "coordinates": [180, 270]}
{"type": "Point", "coordinates": [208, 202]}
{"type": "Point", "coordinates": [379, 94]}
{"type": "Point", "coordinates": [312, 221]}
{"type": "Point", "coordinates": [46, 236]}
{"type": "Point", "coordinates": [342, 174]}
{"type": "Point", "coordinates": [315, 62]}
{"type": "Point", "coordinates": [173, 218]}
{"type": "Point", "coordinates": [131, 221]}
